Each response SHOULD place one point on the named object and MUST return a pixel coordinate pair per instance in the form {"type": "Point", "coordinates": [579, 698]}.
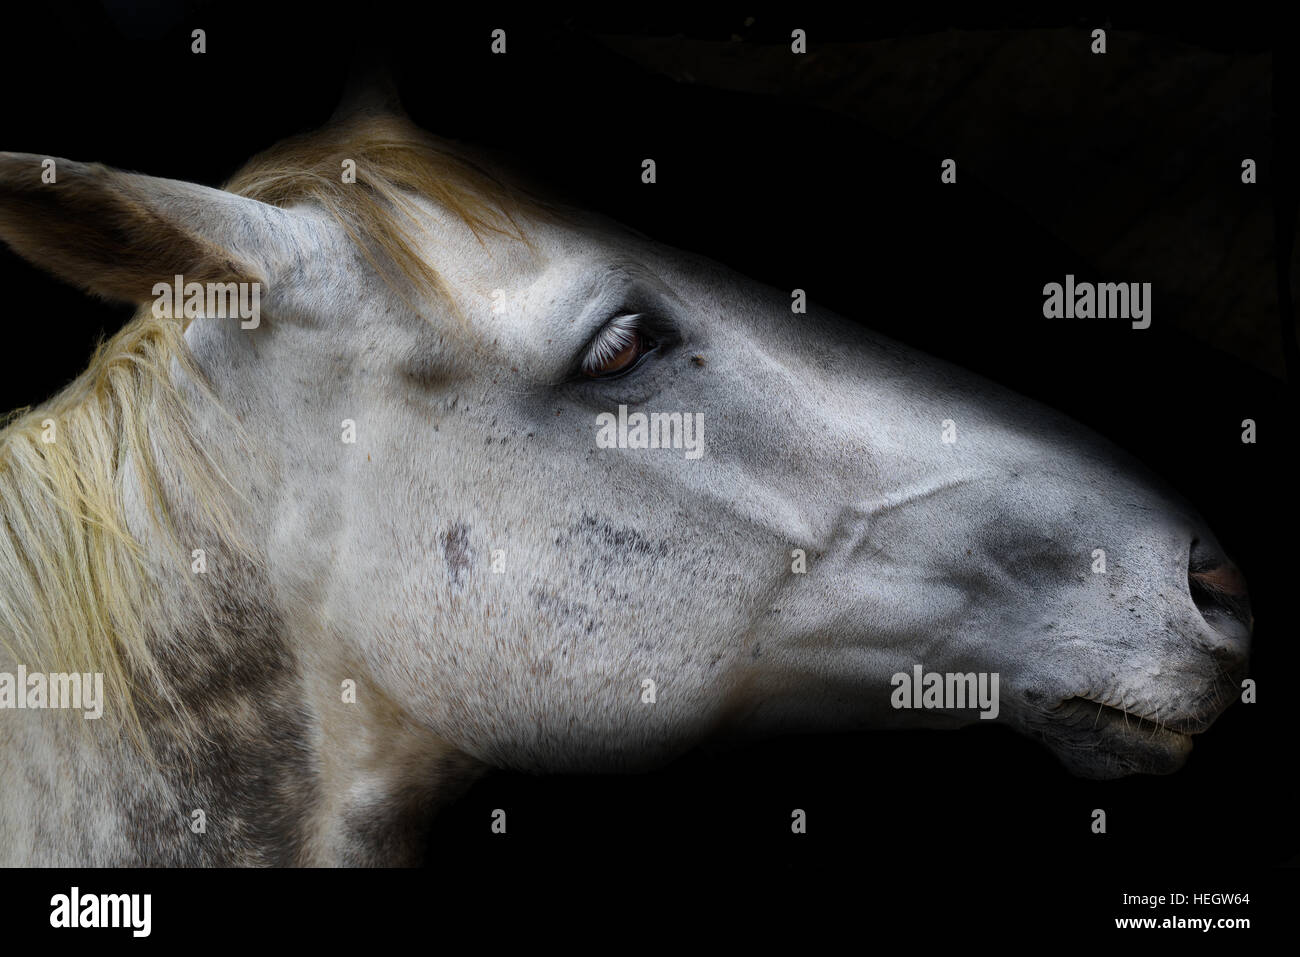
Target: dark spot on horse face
{"type": "Point", "coordinates": [455, 549]}
{"type": "Point", "coordinates": [623, 540]}
{"type": "Point", "coordinates": [559, 610]}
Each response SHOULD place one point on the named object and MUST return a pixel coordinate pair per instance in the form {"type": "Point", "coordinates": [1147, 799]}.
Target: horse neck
{"type": "Point", "coordinates": [312, 759]}
{"type": "Point", "coordinates": [246, 721]}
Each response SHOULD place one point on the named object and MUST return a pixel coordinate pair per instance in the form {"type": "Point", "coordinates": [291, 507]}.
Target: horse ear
{"type": "Point", "coordinates": [117, 234]}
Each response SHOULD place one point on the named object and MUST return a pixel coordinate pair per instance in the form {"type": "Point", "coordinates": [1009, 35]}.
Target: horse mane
{"type": "Point", "coordinates": [78, 588]}
{"type": "Point", "coordinates": [395, 160]}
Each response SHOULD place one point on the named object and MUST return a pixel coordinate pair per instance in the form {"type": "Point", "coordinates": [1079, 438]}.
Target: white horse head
{"type": "Point", "coordinates": [434, 511]}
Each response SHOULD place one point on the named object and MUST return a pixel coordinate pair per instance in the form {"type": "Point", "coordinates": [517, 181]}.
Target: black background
{"type": "Point", "coordinates": [796, 197]}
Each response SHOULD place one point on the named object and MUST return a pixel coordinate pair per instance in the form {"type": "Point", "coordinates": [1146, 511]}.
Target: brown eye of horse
{"type": "Point", "coordinates": [617, 348]}
{"type": "Point", "coordinates": [619, 361]}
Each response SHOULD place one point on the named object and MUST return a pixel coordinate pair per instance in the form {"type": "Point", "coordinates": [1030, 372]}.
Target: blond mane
{"type": "Point", "coordinates": [395, 161]}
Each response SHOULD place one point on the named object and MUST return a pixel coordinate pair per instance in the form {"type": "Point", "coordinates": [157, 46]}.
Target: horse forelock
{"type": "Point", "coordinates": [395, 163]}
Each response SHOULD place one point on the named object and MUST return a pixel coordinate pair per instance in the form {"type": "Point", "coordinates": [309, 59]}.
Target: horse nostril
{"type": "Point", "coordinates": [1218, 588]}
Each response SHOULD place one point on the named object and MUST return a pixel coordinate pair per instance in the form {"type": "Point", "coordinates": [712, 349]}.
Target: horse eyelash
{"type": "Point", "coordinates": [613, 338]}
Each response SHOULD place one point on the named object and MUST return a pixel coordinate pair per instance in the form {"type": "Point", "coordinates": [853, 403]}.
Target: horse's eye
{"type": "Point", "coordinates": [620, 360]}
{"type": "Point", "coordinates": [617, 348]}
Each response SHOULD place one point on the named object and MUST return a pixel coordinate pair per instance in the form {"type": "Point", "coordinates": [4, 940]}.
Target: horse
{"type": "Point", "coordinates": [488, 480]}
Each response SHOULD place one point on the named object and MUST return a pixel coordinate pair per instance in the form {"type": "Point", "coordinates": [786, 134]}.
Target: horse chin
{"type": "Point", "coordinates": [1097, 741]}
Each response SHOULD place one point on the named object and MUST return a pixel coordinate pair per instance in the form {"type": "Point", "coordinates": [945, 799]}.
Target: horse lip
{"type": "Point", "coordinates": [1096, 740]}
{"type": "Point", "coordinates": [1149, 720]}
